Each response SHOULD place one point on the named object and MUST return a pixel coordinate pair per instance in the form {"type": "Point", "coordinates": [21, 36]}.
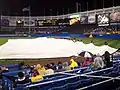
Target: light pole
{"type": "Point", "coordinates": [29, 19]}
{"type": "Point", "coordinates": [76, 6]}
{"type": "Point", "coordinates": [103, 4]}
{"type": "Point", "coordinates": [80, 7]}
{"type": "Point", "coordinates": [29, 16]}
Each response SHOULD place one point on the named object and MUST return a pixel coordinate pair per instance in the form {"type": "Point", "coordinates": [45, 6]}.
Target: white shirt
{"type": "Point", "coordinates": [99, 62]}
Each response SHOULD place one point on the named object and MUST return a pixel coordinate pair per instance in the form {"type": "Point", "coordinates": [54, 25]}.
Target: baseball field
{"type": "Point", "coordinates": [115, 43]}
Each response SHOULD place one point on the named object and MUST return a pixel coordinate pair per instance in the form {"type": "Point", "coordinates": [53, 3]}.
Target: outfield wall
{"type": "Point", "coordinates": [112, 36]}
{"type": "Point", "coordinates": [66, 35]}
{"type": "Point", "coordinates": [115, 36]}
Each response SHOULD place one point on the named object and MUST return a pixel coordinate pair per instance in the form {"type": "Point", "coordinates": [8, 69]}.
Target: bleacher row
{"type": "Point", "coordinates": [81, 78]}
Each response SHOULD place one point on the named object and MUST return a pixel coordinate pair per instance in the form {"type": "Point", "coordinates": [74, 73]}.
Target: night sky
{"type": "Point", "coordinates": [51, 7]}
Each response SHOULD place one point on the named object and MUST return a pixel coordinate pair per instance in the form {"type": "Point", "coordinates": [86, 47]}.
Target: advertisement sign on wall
{"type": "Point", "coordinates": [84, 20]}
{"type": "Point", "coordinates": [92, 19]}
{"type": "Point", "coordinates": [115, 17]}
{"type": "Point", "coordinates": [103, 19]}
{"type": "Point", "coordinates": [74, 19]}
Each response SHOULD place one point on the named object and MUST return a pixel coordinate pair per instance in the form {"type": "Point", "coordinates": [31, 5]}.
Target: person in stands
{"type": "Point", "coordinates": [86, 62]}
{"type": "Point", "coordinates": [60, 67]}
{"type": "Point", "coordinates": [3, 70]}
{"type": "Point", "coordinates": [66, 66]}
{"type": "Point", "coordinates": [54, 66]}
{"type": "Point", "coordinates": [73, 63]}
{"type": "Point", "coordinates": [41, 69]}
{"type": "Point", "coordinates": [106, 57]}
{"type": "Point", "coordinates": [49, 69]}
{"type": "Point", "coordinates": [98, 61]}
{"type": "Point", "coordinates": [36, 76]}
{"type": "Point", "coordinates": [22, 79]}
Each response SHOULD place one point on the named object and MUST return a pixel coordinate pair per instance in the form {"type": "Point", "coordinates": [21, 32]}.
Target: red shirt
{"type": "Point", "coordinates": [86, 63]}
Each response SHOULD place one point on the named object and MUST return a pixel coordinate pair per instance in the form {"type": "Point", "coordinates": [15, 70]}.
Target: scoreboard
{"type": "Point", "coordinates": [52, 22]}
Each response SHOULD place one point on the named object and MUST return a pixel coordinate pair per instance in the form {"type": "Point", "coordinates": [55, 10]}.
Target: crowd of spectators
{"type": "Point", "coordinates": [37, 72]}
{"type": "Point", "coordinates": [31, 30]}
{"type": "Point", "coordinates": [106, 30]}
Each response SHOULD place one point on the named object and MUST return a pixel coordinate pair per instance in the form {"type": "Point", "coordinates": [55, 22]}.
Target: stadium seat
{"type": "Point", "coordinates": [72, 83]}
{"type": "Point", "coordinates": [85, 82]}
{"type": "Point", "coordinates": [60, 84]}
{"type": "Point", "coordinates": [20, 87]}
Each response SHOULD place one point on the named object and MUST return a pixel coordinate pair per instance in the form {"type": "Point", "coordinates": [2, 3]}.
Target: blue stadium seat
{"type": "Point", "coordinates": [60, 84]}
{"type": "Point", "coordinates": [85, 82]}
{"type": "Point", "coordinates": [72, 83]}
{"type": "Point", "coordinates": [20, 87]}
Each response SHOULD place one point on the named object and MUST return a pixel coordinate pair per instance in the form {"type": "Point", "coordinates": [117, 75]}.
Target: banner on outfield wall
{"type": "Point", "coordinates": [115, 17]}
{"type": "Point", "coordinates": [29, 23]}
{"type": "Point", "coordinates": [91, 19]}
{"type": "Point", "coordinates": [39, 22]}
{"type": "Point", "coordinates": [84, 20]}
{"type": "Point", "coordinates": [74, 16]}
{"type": "Point", "coordinates": [4, 22]}
{"type": "Point", "coordinates": [63, 22]}
{"type": "Point", "coordinates": [74, 19]}
{"type": "Point", "coordinates": [20, 22]}
{"type": "Point", "coordinates": [52, 22]}
{"type": "Point", "coordinates": [12, 21]}
{"type": "Point", "coordinates": [103, 19]}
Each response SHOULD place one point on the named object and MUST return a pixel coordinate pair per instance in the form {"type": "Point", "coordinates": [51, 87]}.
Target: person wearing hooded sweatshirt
{"type": "Point", "coordinates": [36, 77]}
{"type": "Point", "coordinates": [98, 61]}
{"type": "Point", "coordinates": [73, 64]}
{"type": "Point", "coordinates": [106, 57]}
{"type": "Point", "coordinates": [41, 70]}
{"type": "Point", "coordinates": [66, 66]}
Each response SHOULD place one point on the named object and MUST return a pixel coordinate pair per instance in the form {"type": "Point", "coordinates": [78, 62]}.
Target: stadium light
{"type": "Point", "coordinates": [19, 21]}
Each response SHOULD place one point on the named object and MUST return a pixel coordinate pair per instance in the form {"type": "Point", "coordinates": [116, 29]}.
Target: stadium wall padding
{"type": "Point", "coordinates": [62, 35]}
{"type": "Point", "coordinates": [112, 36]}
{"type": "Point", "coordinates": [58, 35]}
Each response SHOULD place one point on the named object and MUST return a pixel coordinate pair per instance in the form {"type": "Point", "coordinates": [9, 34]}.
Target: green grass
{"type": "Point", "coordinates": [115, 43]}
{"type": "Point", "coordinates": [3, 40]}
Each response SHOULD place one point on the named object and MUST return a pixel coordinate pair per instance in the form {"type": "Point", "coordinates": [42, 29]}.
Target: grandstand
{"type": "Point", "coordinates": [101, 23]}
{"type": "Point", "coordinates": [93, 24]}
{"type": "Point", "coordinates": [76, 23]}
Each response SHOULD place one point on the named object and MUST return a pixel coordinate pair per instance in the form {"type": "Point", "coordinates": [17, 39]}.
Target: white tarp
{"type": "Point", "coordinates": [47, 48]}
